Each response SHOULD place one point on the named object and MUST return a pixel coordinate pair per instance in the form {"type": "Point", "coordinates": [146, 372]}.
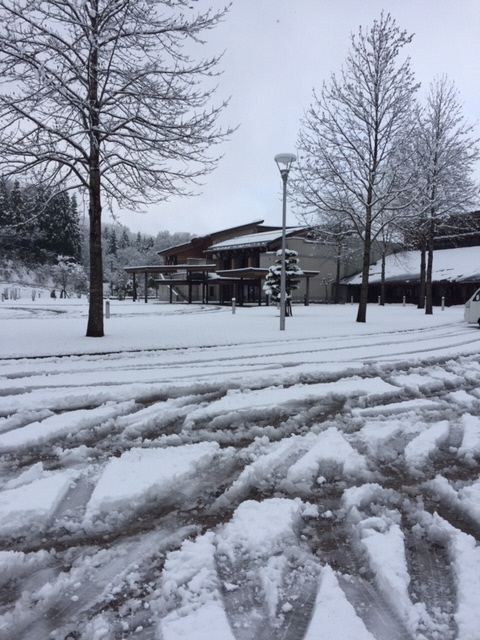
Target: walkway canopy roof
{"type": "Point", "coordinates": [170, 268]}
{"type": "Point", "coordinates": [256, 273]}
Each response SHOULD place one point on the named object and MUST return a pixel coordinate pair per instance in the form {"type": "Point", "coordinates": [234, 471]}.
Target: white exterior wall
{"type": "Point", "coordinates": [313, 256]}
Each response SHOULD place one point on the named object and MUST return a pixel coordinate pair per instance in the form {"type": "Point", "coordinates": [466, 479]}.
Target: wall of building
{"type": "Point", "coordinates": [323, 258]}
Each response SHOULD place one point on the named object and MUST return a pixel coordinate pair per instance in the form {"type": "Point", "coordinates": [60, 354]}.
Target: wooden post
{"type": "Point", "coordinates": [134, 287]}
{"type": "Point", "coordinates": [146, 286]}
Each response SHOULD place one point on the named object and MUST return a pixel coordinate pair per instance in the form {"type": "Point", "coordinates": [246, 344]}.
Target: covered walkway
{"type": "Point", "coordinates": [245, 284]}
{"type": "Point", "coordinates": [193, 274]}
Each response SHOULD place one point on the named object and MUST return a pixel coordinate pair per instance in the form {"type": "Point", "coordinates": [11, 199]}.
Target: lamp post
{"type": "Point", "coordinates": [284, 162]}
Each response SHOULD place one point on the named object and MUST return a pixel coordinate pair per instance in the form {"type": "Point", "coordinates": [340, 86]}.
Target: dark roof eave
{"type": "Point", "coordinates": [169, 268]}
{"type": "Point", "coordinates": [208, 235]}
{"type": "Point", "coordinates": [264, 244]}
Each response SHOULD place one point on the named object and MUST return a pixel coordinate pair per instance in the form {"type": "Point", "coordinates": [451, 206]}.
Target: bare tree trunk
{"type": "Point", "coordinates": [382, 282]}
{"type": "Point", "coordinates": [337, 274]}
{"type": "Point", "coordinates": [421, 293]}
{"type": "Point", "coordinates": [429, 272]}
{"type": "Point", "coordinates": [362, 306]}
{"type": "Point", "coordinates": [95, 311]}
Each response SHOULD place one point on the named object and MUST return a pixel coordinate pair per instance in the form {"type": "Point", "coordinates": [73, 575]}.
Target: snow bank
{"type": "Point", "coordinates": [30, 506]}
{"type": "Point", "coordinates": [63, 424]}
{"type": "Point", "coordinates": [382, 539]}
{"type": "Point", "coordinates": [140, 474]}
{"type": "Point", "coordinates": [333, 615]}
{"type": "Point", "coordinates": [67, 398]}
{"type": "Point", "coordinates": [362, 496]}
{"type": "Point", "coordinates": [190, 583]}
{"type": "Point", "coordinates": [470, 447]}
{"type": "Point", "coordinates": [418, 450]}
{"type": "Point", "coordinates": [244, 401]}
{"type": "Point", "coordinates": [329, 455]}
{"type": "Point", "coordinates": [384, 543]}
{"type": "Point", "coordinates": [465, 558]}
{"type": "Point", "coordinates": [465, 500]}
{"type": "Point", "coordinates": [208, 622]}
{"type": "Point", "coordinates": [261, 528]}
{"type": "Point", "coordinates": [16, 564]}
{"type": "Point", "coordinates": [416, 404]}
{"type": "Point", "coordinates": [261, 472]}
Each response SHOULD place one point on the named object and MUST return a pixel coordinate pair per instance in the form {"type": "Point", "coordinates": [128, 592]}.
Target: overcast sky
{"type": "Point", "coordinates": [276, 53]}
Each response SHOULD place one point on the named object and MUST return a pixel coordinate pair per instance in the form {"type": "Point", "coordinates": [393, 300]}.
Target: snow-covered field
{"type": "Point", "coordinates": [200, 475]}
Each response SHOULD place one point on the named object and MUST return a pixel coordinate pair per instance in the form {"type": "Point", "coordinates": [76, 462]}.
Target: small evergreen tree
{"type": "Point", "coordinates": [75, 230]}
{"type": "Point", "coordinates": [4, 202]}
{"type": "Point", "coordinates": [16, 204]}
{"type": "Point", "coordinates": [292, 280]}
{"type": "Point", "coordinates": [112, 246]}
{"type": "Point", "coordinates": [124, 239]}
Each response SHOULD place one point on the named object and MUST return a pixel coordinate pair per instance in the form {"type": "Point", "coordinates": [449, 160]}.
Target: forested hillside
{"type": "Point", "coordinates": [37, 225]}
{"type": "Point", "coordinates": [44, 242]}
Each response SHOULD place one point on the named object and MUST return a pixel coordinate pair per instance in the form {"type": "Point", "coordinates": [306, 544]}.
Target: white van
{"type": "Point", "coordinates": [472, 308]}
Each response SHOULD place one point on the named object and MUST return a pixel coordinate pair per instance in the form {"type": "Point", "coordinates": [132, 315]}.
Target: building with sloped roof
{"type": "Point", "coordinates": [455, 276]}
{"type": "Point", "coordinates": [233, 263]}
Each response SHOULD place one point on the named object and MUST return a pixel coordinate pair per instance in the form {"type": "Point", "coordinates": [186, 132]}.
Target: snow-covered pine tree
{"type": "Point", "coordinates": [271, 285]}
{"type": "Point", "coordinates": [16, 205]}
{"type": "Point", "coordinates": [58, 224]}
{"type": "Point", "coordinates": [4, 202]}
{"type": "Point", "coordinates": [112, 246]}
{"type": "Point", "coordinates": [124, 239]}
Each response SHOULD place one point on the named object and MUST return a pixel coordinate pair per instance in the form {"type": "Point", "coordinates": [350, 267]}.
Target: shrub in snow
{"type": "Point", "coordinates": [69, 275]}
{"type": "Point", "coordinates": [292, 280]}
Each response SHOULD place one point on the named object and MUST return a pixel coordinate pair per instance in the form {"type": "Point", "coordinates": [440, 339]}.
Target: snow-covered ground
{"type": "Point", "coordinates": [200, 475]}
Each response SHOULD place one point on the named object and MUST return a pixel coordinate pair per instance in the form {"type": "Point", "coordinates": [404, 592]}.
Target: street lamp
{"type": "Point", "coordinates": [284, 162]}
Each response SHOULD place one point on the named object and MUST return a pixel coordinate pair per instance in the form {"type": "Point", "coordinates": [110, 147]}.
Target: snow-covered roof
{"type": "Point", "coordinates": [455, 265]}
{"type": "Point", "coordinates": [252, 240]}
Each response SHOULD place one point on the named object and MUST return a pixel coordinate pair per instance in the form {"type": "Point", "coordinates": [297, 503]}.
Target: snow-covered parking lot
{"type": "Point", "coordinates": [200, 475]}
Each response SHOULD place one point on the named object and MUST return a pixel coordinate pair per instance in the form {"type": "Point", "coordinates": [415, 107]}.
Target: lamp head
{"type": "Point", "coordinates": [284, 162]}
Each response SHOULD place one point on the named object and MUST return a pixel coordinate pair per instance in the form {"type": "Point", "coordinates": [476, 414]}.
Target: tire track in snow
{"type": "Point", "coordinates": [379, 428]}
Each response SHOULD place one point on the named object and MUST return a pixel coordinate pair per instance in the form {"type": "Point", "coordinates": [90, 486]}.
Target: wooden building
{"type": "Point", "coordinates": [455, 277]}
{"type": "Point", "coordinates": [233, 263]}
{"type": "Point", "coordinates": [217, 267]}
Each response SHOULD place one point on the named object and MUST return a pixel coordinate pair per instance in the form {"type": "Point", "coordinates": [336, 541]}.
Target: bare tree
{"type": "Point", "coordinates": [349, 163]}
{"type": "Point", "coordinates": [446, 154]}
{"type": "Point", "coordinates": [106, 95]}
